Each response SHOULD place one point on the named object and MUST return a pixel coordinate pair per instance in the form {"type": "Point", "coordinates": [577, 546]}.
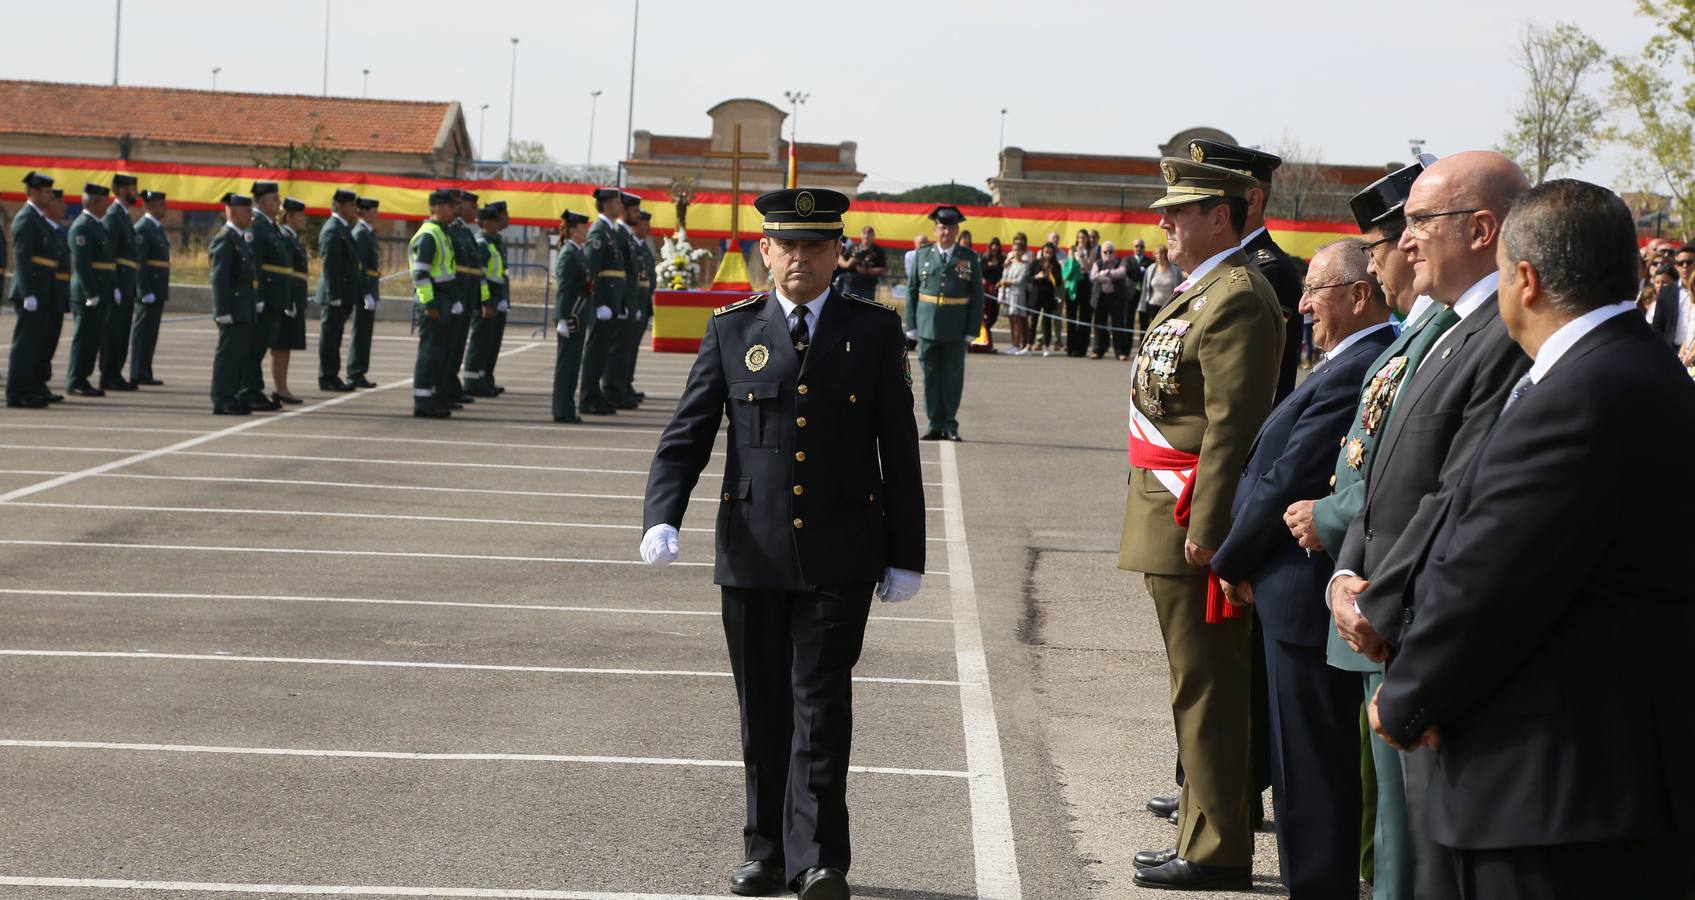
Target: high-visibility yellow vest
{"type": "Point", "coordinates": [495, 271]}
{"type": "Point", "coordinates": [425, 276]}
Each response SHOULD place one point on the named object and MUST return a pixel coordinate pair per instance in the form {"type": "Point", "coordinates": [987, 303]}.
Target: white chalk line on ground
{"type": "Point", "coordinates": [460, 604]}
{"type": "Point", "coordinates": [317, 551]}
{"type": "Point", "coordinates": [291, 435]}
{"type": "Point", "coordinates": [343, 890]}
{"type": "Point", "coordinates": [992, 837]}
{"type": "Point", "coordinates": [20, 493]}
{"type": "Point", "coordinates": [419, 664]}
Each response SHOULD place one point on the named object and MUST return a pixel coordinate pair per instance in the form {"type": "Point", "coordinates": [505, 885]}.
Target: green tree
{"type": "Point", "coordinates": [1559, 123]}
{"type": "Point", "coordinates": [935, 193]}
{"type": "Point", "coordinates": [314, 153]}
{"type": "Point", "coordinates": [532, 152]}
{"type": "Point", "coordinates": [1657, 90]}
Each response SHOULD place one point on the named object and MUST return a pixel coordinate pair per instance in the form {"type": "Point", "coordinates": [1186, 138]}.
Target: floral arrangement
{"type": "Point", "coordinates": [679, 263]}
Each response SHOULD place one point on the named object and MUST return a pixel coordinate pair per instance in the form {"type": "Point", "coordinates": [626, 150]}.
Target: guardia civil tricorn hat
{"type": "Point", "coordinates": [803, 214]}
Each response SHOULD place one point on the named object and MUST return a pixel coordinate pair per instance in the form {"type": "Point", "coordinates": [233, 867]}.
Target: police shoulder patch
{"type": "Point", "coordinates": [1264, 255]}
{"type": "Point", "coordinates": [739, 304]}
{"type": "Point", "coordinates": [871, 303]}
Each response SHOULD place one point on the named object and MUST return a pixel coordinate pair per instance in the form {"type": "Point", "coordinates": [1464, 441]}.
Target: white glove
{"type": "Point", "coordinates": [117, 296]}
{"type": "Point", "coordinates": [30, 304]}
{"type": "Point", "coordinates": [335, 302]}
{"type": "Point", "coordinates": [603, 313]}
{"type": "Point", "coordinates": [504, 306]}
{"type": "Point", "coordinates": [912, 334]}
{"type": "Point", "coordinates": [259, 307]}
{"type": "Point", "coordinates": [224, 320]}
{"type": "Point", "coordinates": [638, 315]}
{"type": "Point", "coordinates": [458, 308]}
{"type": "Point", "coordinates": [148, 298]}
{"type": "Point", "coordinates": [659, 546]}
{"type": "Point", "coordinates": [92, 301]}
{"type": "Point", "coordinates": [624, 315]}
{"type": "Point", "coordinates": [899, 585]}
{"type": "Point", "coordinates": [289, 311]}
{"type": "Point", "coordinates": [370, 302]}
{"type": "Point", "coordinates": [564, 328]}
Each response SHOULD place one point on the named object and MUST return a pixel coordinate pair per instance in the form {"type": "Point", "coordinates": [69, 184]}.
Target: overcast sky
{"type": "Point", "coordinates": [918, 85]}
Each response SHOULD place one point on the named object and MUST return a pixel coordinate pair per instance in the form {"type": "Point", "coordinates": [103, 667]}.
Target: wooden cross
{"type": "Point", "coordinates": [735, 156]}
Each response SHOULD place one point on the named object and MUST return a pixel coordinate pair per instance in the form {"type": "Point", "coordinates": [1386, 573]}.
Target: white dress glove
{"type": "Point", "coordinates": [30, 304]}
{"type": "Point", "coordinates": [899, 585]}
{"type": "Point", "coordinates": [290, 312]}
{"type": "Point", "coordinates": [912, 334]}
{"type": "Point", "coordinates": [564, 328]}
{"type": "Point", "coordinates": [148, 298]}
{"type": "Point", "coordinates": [659, 545]}
{"type": "Point", "coordinates": [224, 320]}
{"type": "Point", "coordinates": [504, 306]}
{"type": "Point", "coordinates": [335, 302]}
{"type": "Point", "coordinates": [259, 307]}
{"type": "Point", "coordinates": [117, 296]}
{"type": "Point", "coordinates": [458, 308]}
{"type": "Point", "coordinates": [638, 315]}
{"type": "Point", "coordinates": [603, 313]}
{"type": "Point", "coordinates": [92, 301]}
{"type": "Point", "coordinates": [370, 302]}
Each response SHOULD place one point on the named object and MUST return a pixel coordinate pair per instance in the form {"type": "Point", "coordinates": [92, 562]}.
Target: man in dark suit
{"type": "Point", "coordinates": [1314, 709]}
{"type": "Point", "coordinates": [822, 500]}
{"type": "Point", "coordinates": [1454, 213]}
{"type": "Point", "coordinates": [1546, 664]}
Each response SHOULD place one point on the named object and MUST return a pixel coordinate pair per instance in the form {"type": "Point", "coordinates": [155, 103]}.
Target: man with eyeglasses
{"type": "Point", "coordinates": [1672, 311]}
{"type": "Point", "coordinates": [1454, 214]}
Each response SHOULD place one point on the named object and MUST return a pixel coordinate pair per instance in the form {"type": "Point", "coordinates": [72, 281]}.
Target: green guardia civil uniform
{"type": "Point", "coordinates": [126, 252]}
{"type": "Point", "coordinates": [154, 291]}
{"type": "Point", "coordinates": [364, 315]}
{"type": "Point", "coordinates": [274, 257]}
{"type": "Point", "coordinates": [435, 285]}
{"type": "Point", "coordinates": [35, 247]}
{"type": "Point", "coordinates": [484, 344]}
{"type": "Point", "coordinates": [616, 377]}
{"type": "Point", "coordinates": [469, 268]}
{"type": "Point", "coordinates": [341, 287]}
{"type": "Point", "coordinates": [61, 300]}
{"type": "Point", "coordinates": [235, 293]}
{"type": "Point", "coordinates": [572, 305]}
{"type": "Point", "coordinates": [93, 272]}
{"type": "Point", "coordinates": [292, 327]}
{"type": "Point", "coordinates": [643, 267]}
{"type": "Point", "coordinates": [608, 272]}
{"type": "Point", "coordinates": [944, 305]}
{"type": "Point", "coordinates": [1202, 384]}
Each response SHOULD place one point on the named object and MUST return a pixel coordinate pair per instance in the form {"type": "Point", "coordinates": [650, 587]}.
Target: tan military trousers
{"type": "Point", "coordinates": [1210, 679]}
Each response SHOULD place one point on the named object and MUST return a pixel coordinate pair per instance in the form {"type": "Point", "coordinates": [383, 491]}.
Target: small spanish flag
{"type": "Point", "coordinates": [793, 182]}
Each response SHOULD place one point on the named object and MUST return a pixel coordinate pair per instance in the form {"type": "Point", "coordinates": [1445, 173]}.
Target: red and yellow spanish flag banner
{"type": "Point", "coordinates": [680, 317]}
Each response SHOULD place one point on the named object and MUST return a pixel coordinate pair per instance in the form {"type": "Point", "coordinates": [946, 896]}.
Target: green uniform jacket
{"type": "Point", "coordinates": [62, 278]}
{"type": "Point", "coordinates": [36, 248]}
{"type": "Point", "coordinates": [235, 276]}
{"type": "Point", "coordinates": [92, 266]}
{"type": "Point", "coordinates": [944, 295]}
{"type": "Point", "coordinates": [370, 259]}
{"type": "Point", "coordinates": [340, 280]}
{"type": "Point", "coordinates": [1332, 515]}
{"type": "Point", "coordinates": [275, 259]}
{"type": "Point", "coordinates": [494, 285]}
{"type": "Point", "coordinates": [468, 263]}
{"type": "Point", "coordinates": [607, 269]}
{"type": "Point", "coordinates": [1225, 376]}
{"type": "Point", "coordinates": [300, 262]}
{"type": "Point", "coordinates": [632, 270]}
{"type": "Point", "coordinates": [125, 252]}
{"type": "Point", "coordinates": [155, 249]}
{"type": "Point", "coordinates": [571, 295]}
{"type": "Point", "coordinates": [422, 249]}
{"type": "Point", "coordinates": [649, 278]}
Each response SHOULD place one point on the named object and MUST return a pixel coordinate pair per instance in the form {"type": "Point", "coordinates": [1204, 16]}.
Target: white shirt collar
{"type": "Point", "coordinates": [90, 213]}
{"type": "Point", "coordinates": [1351, 339]}
{"type": "Point", "coordinates": [151, 218]}
{"type": "Point", "coordinates": [1419, 306]}
{"type": "Point", "coordinates": [287, 230]}
{"type": "Point", "coordinates": [608, 221]}
{"type": "Point", "coordinates": [1569, 334]}
{"type": "Point", "coordinates": [258, 214]}
{"type": "Point", "coordinates": [945, 251]}
{"type": "Point", "coordinates": [337, 217]}
{"type": "Point", "coordinates": [39, 210]}
{"type": "Point", "coordinates": [1251, 235]}
{"type": "Point", "coordinates": [231, 226]}
{"type": "Point", "coordinates": [1205, 267]}
{"type": "Point", "coordinates": [1475, 295]}
{"type": "Point", "coordinates": [361, 223]}
{"type": "Point", "coordinates": [814, 308]}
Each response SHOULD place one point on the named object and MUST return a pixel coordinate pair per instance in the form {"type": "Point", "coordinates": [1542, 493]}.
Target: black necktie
{"type": "Point", "coordinates": [798, 334]}
{"type": "Point", "coordinates": [1523, 387]}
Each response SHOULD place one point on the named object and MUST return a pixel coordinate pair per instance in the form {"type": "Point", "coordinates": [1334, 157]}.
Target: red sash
{"type": "Point", "coordinates": [1154, 458]}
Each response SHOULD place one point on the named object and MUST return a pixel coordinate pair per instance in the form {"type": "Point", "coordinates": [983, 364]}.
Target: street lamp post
{"type": "Point", "coordinates": [366, 89]}
{"type": "Point", "coordinates": [326, 48]}
{"type": "Point", "coordinates": [482, 128]}
{"type": "Point", "coordinates": [1003, 129]}
{"type": "Point", "coordinates": [795, 98]}
{"type": "Point", "coordinates": [511, 96]}
{"type": "Point", "coordinates": [630, 112]}
{"type": "Point", "coordinates": [215, 71]}
{"type": "Point", "coordinates": [117, 37]}
{"type": "Point", "coordinates": [594, 104]}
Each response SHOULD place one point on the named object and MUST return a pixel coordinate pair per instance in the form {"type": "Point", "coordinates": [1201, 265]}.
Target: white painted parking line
{"type": "Point", "coordinates": [526, 607]}
{"type": "Point", "coordinates": [20, 493]}
{"type": "Point", "coordinates": [313, 551]}
{"type": "Point", "coordinates": [216, 510]}
{"type": "Point", "coordinates": [342, 890]}
{"type": "Point", "coordinates": [387, 439]}
{"type": "Point", "coordinates": [991, 812]}
{"type": "Point", "coordinates": [413, 664]}
{"type": "Point", "coordinates": [442, 757]}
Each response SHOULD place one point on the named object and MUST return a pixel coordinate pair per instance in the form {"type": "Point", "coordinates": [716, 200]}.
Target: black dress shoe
{"type": "Point", "coordinates": [1162, 806]}
{"type": "Point", "coordinates": [1148, 859]}
{"type": "Point", "coordinates": [568, 420]}
{"type": "Point", "coordinates": [624, 404]}
{"type": "Point", "coordinates": [640, 396]}
{"type": "Point", "coordinates": [27, 403]}
{"type": "Point", "coordinates": [933, 435]}
{"type": "Point", "coordinates": [116, 384]}
{"type": "Point", "coordinates": [362, 382]}
{"type": "Point", "coordinates": [756, 878]}
{"type": "Point", "coordinates": [432, 412]}
{"type": "Point", "coordinates": [54, 398]}
{"type": "Point", "coordinates": [336, 386]}
{"type": "Point", "coordinates": [1172, 818]}
{"type": "Point", "coordinates": [464, 398]}
{"type": "Point", "coordinates": [954, 436]}
{"type": "Point", "coordinates": [499, 389]}
{"type": "Point", "coordinates": [822, 884]}
{"type": "Point", "coordinates": [452, 406]}
{"type": "Point", "coordinates": [290, 399]}
{"type": "Point", "coordinates": [149, 381]}
{"type": "Point", "coordinates": [1183, 875]}
{"type": "Point", "coordinates": [84, 389]}
{"type": "Point", "coordinates": [596, 408]}
{"type": "Point", "coordinates": [481, 392]}
{"type": "Point", "coordinates": [230, 409]}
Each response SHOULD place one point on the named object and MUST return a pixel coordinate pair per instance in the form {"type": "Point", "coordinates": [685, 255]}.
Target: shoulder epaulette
{"type": "Point", "coordinates": [867, 302]}
{"type": "Point", "coordinates": [1264, 255]}
{"type": "Point", "coordinates": [739, 304]}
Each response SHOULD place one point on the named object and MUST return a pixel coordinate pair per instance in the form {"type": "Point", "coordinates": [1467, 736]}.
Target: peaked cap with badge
{"type": "Point", "coordinates": [806, 214]}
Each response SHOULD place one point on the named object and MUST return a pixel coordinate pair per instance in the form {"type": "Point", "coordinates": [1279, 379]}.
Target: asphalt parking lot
{"type": "Point", "coordinates": [338, 650]}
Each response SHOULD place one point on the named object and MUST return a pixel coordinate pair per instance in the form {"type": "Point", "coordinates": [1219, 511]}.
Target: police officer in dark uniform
{"type": "Point", "coordinates": [32, 295]}
{"type": "Point", "coordinates": [235, 289]}
{"type": "Point", "coordinates": [571, 298]}
{"type": "Point", "coordinates": [92, 274]}
{"type": "Point", "coordinates": [341, 286]}
{"type": "Point", "coordinates": [365, 314]}
{"type": "Point", "coordinates": [608, 270]}
{"type": "Point", "coordinates": [114, 346]}
{"type": "Point", "coordinates": [274, 258]}
{"type": "Point", "coordinates": [822, 503]}
{"type": "Point", "coordinates": [153, 288]}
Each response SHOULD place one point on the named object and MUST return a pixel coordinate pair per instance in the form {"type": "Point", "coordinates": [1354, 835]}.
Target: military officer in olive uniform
{"type": "Point", "coordinates": [93, 269]}
{"type": "Point", "coordinates": [944, 311]}
{"type": "Point", "coordinates": [484, 343]}
{"type": "Point", "coordinates": [365, 314]}
{"type": "Point", "coordinates": [114, 346]}
{"type": "Point", "coordinates": [435, 283]}
{"type": "Point", "coordinates": [1202, 385]}
{"type": "Point", "coordinates": [35, 250]}
{"type": "Point", "coordinates": [608, 272]}
{"type": "Point", "coordinates": [571, 301]}
{"type": "Point", "coordinates": [153, 287]}
{"type": "Point", "coordinates": [235, 304]}
{"type": "Point", "coordinates": [341, 286]}
{"type": "Point", "coordinates": [275, 260]}
{"type": "Point", "coordinates": [822, 501]}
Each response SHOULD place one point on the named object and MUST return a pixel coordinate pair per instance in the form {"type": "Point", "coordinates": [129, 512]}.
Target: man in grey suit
{"type": "Point", "coordinates": [1454, 214]}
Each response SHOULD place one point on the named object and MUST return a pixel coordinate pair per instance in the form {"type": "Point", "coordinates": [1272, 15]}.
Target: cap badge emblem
{"type": "Point", "coordinates": [1197, 154]}
{"type": "Point", "coordinates": [805, 204]}
{"type": "Point", "coordinates": [1166, 170]}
